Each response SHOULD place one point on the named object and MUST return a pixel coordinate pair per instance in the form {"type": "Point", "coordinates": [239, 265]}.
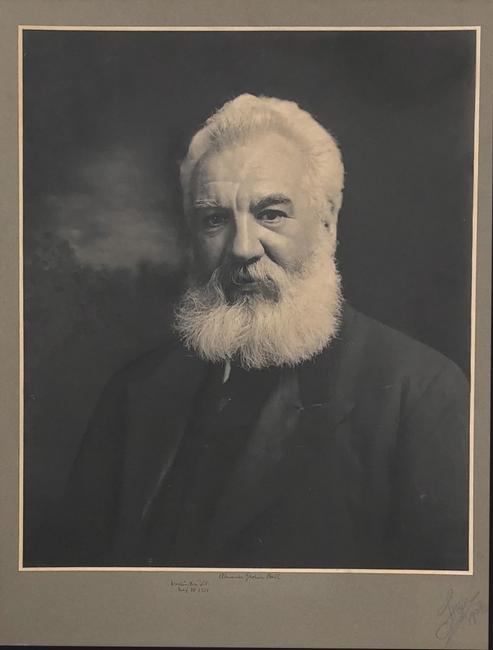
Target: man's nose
{"type": "Point", "coordinates": [246, 244]}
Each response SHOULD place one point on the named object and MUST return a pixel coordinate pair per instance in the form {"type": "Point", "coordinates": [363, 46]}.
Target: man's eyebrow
{"type": "Point", "coordinates": [206, 203]}
{"type": "Point", "coordinates": [272, 199]}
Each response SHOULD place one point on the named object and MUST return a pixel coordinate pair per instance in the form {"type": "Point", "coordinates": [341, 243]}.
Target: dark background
{"type": "Point", "coordinates": [108, 115]}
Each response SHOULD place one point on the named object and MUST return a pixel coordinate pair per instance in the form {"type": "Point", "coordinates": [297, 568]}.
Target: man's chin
{"type": "Point", "coordinates": [252, 292]}
{"type": "Point", "coordinates": [248, 296]}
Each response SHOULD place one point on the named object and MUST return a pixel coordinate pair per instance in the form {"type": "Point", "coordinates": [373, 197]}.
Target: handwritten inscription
{"type": "Point", "coordinates": [203, 586]}
{"type": "Point", "coordinates": [249, 577]}
{"type": "Point", "coordinates": [190, 586]}
{"type": "Point", "coordinates": [457, 611]}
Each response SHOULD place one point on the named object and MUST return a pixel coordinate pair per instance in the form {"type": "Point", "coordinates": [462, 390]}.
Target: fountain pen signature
{"type": "Point", "coordinates": [457, 611]}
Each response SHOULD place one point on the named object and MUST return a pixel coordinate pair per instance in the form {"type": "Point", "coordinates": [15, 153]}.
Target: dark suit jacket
{"type": "Point", "coordinates": [364, 464]}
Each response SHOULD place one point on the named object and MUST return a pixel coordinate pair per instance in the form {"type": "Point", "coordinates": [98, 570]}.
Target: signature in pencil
{"type": "Point", "coordinates": [456, 611]}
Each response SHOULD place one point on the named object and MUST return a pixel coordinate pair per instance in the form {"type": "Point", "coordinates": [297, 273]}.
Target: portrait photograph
{"type": "Point", "coordinates": [247, 298]}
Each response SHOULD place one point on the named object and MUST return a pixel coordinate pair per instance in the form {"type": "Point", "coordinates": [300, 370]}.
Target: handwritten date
{"type": "Point", "coordinates": [190, 586]}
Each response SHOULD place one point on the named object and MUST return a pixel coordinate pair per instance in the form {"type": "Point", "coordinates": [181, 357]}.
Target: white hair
{"type": "Point", "coordinates": [247, 116]}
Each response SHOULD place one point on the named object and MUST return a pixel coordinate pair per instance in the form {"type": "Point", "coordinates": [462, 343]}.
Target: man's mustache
{"type": "Point", "coordinates": [237, 278]}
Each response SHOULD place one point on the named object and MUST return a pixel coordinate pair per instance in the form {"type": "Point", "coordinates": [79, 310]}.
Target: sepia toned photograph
{"type": "Point", "coordinates": [248, 262]}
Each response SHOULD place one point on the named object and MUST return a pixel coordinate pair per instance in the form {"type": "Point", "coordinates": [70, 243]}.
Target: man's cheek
{"type": "Point", "coordinates": [287, 252]}
{"type": "Point", "coordinates": [292, 264]}
{"type": "Point", "coordinates": [208, 254]}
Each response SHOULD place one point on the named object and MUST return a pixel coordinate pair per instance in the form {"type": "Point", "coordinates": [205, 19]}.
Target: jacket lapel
{"type": "Point", "coordinates": [159, 406]}
{"type": "Point", "coordinates": [299, 417]}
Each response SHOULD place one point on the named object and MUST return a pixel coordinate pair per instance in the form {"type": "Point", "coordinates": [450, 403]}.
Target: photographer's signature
{"type": "Point", "coordinates": [457, 611]}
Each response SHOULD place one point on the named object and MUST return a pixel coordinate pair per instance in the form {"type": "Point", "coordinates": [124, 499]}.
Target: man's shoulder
{"type": "Point", "coordinates": [150, 360]}
{"type": "Point", "coordinates": [380, 351]}
{"type": "Point", "coordinates": [169, 356]}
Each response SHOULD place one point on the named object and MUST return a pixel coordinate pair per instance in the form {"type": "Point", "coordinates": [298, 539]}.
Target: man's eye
{"type": "Point", "coordinates": [212, 221]}
{"type": "Point", "coordinates": [270, 216]}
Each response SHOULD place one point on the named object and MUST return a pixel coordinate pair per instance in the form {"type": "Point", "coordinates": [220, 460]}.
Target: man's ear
{"type": "Point", "coordinates": [331, 228]}
{"type": "Point", "coordinates": [335, 203]}
{"type": "Point", "coordinates": [329, 220]}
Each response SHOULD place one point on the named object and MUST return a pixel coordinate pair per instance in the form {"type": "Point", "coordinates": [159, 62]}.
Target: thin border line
{"type": "Point", "coordinates": [21, 294]}
{"type": "Point", "coordinates": [244, 28]}
{"type": "Point", "coordinates": [477, 29]}
{"type": "Point", "coordinates": [474, 299]}
{"type": "Point", "coordinates": [240, 570]}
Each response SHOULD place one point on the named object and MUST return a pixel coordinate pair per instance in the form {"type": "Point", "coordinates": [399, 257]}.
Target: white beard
{"type": "Point", "coordinates": [293, 319]}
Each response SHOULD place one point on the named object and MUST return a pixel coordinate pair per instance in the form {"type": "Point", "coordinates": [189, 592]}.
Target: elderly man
{"type": "Point", "coordinates": [282, 428]}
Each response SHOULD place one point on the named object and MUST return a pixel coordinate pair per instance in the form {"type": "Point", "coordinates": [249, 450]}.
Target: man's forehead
{"type": "Point", "coordinates": [264, 165]}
